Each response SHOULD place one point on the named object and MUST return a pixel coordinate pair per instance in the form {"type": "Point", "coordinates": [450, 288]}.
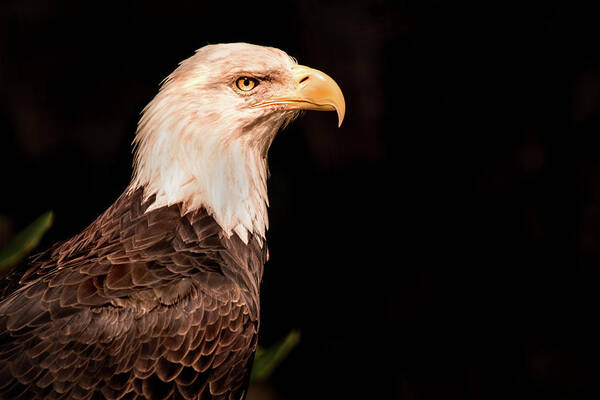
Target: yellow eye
{"type": "Point", "coordinates": [246, 84]}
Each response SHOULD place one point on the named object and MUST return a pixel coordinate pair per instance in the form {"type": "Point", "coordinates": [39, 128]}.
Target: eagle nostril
{"type": "Point", "coordinates": [303, 79]}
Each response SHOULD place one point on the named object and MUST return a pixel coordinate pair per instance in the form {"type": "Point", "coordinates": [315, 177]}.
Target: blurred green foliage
{"type": "Point", "coordinates": [24, 242]}
{"type": "Point", "coordinates": [266, 360]}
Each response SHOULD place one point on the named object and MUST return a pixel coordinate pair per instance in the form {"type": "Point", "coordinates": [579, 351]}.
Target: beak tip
{"type": "Point", "coordinates": [340, 115]}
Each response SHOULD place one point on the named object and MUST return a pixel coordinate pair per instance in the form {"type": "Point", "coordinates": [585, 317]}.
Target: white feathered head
{"type": "Point", "coordinates": [203, 140]}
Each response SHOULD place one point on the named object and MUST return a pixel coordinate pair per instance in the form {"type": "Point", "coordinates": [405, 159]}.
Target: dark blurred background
{"type": "Point", "coordinates": [443, 244]}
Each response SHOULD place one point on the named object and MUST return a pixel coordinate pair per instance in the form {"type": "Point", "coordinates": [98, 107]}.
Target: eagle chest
{"type": "Point", "coordinates": [201, 345]}
{"type": "Point", "coordinates": [150, 305]}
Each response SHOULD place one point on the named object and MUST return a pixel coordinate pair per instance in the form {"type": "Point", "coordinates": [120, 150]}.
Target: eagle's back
{"type": "Point", "coordinates": [146, 305]}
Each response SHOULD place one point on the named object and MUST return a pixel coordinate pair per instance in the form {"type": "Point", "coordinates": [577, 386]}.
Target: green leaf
{"type": "Point", "coordinates": [25, 241]}
{"type": "Point", "coordinates": [266, 360]}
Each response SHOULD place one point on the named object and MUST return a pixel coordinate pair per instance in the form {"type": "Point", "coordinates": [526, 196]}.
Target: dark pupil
{"type": "Point", "coordinates": [246, 82]}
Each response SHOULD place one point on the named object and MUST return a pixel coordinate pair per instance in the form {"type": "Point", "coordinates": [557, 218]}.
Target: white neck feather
{"type": "Point", "coordinates": [205, 160]}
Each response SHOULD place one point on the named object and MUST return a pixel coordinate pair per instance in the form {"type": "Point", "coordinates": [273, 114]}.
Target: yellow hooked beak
{"type": "Point", "coordinates": [314, 90]}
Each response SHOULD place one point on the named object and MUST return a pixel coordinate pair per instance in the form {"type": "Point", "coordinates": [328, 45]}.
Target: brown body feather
{"type": "Point", "coordinates": [140, 305]}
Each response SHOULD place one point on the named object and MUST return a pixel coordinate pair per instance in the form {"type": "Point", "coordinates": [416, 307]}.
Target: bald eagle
{"type": "Point", "coordinates": [159, 297]}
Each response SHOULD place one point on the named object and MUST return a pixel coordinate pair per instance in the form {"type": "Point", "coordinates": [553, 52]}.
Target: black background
{"type": "Point", "coordinates": [443, 244]}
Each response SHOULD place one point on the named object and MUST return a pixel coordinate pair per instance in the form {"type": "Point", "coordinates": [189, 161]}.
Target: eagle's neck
{"type": "Point", "coordinates": [183, 157]}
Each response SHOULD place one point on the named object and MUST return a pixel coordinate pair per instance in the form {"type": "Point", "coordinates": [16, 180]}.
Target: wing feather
{"type": "Point", "coordinates": [140, 305]}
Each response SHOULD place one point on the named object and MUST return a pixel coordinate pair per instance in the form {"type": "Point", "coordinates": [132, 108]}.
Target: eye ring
{"type": "Point", "coordinates": [246, 83]}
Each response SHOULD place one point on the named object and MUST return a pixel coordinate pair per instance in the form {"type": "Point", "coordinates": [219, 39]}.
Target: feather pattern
{"type": "Point", "coordinates": [143, 304]}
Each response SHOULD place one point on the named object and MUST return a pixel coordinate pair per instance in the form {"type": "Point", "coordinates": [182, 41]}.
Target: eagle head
{"type": "Point", "coordinates": [202, 142]}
